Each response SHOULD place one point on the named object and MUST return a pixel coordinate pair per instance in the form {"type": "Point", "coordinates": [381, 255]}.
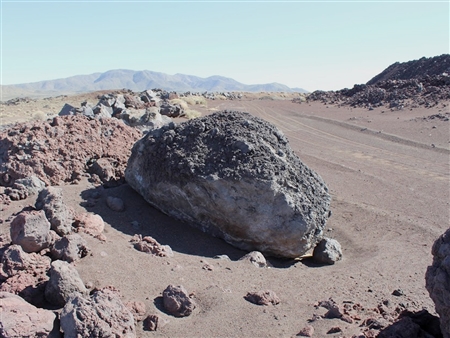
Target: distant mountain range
{"type": "Point", "coordinates": [137, 81]}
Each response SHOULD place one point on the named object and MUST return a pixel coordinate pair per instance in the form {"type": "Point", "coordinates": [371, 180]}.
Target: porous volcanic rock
{"type": "Point", "coordinates": [70, 248]}
{"type": "Point", "coordinates": [24, 187]}
{"type": "Point", "coordinates": [58, 213]}
{"type": "Point", "coordinates": [177, 302]}
{"type": "Point", "coordinates": [234, 176]}
{"type": "Point", "coordinates": [64, 282]}
{"type": "Point", "coordinates": [101, 315]}
{"type": "Point", "coordinates": [151, 246]}
{"type": "Point", "coordinates": [61, 150]}
{"type": "Point", "coordinates": [154, 322]}
{"type": "Point", "coordinates": [21, 319]}
{"type": "Point", "coordinates": [25, 274]}
{"type": "Point", "coordinates": [88, 223]}
{"type": "Point", "coordinates": [424, 82]}
{"type": "Point", "coordinates": [438, 280]}
{"type": "Point", "coordinates": [31, 230]}
{"type": "Point", "coordinates": [263, 297]}
{"type": "Point", "coordinates": [15, 260]}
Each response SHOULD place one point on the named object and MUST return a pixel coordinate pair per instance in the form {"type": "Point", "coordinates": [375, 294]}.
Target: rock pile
{"type": "Point", "coordinates": [65, 149]}
{"type": "Point", "coordinates": [233, 176]}
{"type": "Point", "coordinates": [36, 270]}
{"type": "Point", "coordinates": [414, 69]}
{"type": "Point", "coordinates": [426, 91]}
{"type": "Point", "coordinates": [424, 82]}
{"type": "Point", "coordinates": [136, 108]}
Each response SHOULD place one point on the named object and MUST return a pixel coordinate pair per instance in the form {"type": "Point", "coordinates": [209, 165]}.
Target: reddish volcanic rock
{"type": "Point", "coordinates": [61, 150]}
{"type": "Point", "coordinates": [21, 319]}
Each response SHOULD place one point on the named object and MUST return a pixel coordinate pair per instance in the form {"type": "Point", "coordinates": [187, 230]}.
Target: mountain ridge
{"type": "Point", "coordinates": [137, 81]}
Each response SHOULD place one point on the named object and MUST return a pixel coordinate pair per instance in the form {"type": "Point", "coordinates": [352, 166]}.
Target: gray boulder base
{"type": "Point", "coordinates": [327, 251]}
{"type": "Point", "coordinates": [438, 280]}
{"type": "Point", "coordinates": [233, 176]}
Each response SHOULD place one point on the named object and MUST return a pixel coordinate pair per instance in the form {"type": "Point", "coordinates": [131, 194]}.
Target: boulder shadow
{"type": "Point", "coordinates": [158, 302]}
{"type": "Point", "coordinates": [139, 217]}
{"type": "Point", "coordinates": [311, 263]}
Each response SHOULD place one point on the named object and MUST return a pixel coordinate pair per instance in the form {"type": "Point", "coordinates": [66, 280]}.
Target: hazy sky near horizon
{"type": "Point", "coordinates": [326, 45]}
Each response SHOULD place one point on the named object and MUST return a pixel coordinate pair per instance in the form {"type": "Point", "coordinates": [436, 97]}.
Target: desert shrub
{"type": "Point", "coordinates": [192, 114]}
{"type": "Point", "coordinates": [194, 99]}
{"type": "Point", "coordinates": [40, 116]}
{"type": "Point", "coordinates": [183, 104]}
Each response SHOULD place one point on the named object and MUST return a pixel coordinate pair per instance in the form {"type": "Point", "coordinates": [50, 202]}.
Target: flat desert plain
{"type": "Point", "coordinates": [388, 174]}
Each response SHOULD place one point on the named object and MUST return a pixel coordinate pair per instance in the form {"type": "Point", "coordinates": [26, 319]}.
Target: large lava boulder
{"type": "Point", "coordinates": [234, 176]}
{"type": "Point", "coordinates": [438, 280]}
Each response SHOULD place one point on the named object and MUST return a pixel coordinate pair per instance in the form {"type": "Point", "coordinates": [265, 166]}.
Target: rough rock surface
{"type": "Point", "coordinates": [70, 248]}
{"type": "Point", "coordinates": [137, 309]}
{"type": "Point", "coordinates": [58, 214]}
{"type": "Point", "coordinates": [24, 274]}
{"type": "Point", "coordinates": [263, 297]}
{"type": "Point", "coordinates": [31, 230]}
{"type": "Point", "coordinates": [91, 224]}
{"type": "Point", "coordinates": [307, 331]}
{"type": "Point", "coordinates": [424, 82]}
{"type": "Point", "coordinates": [64, 282]}
{"type": "Point", "coordinates": [101, 315]}
{"type": "Point", "coordinates": [24, 187]}
{"type": "Point", "coordinates": [63, 149]}
{"type": "Point", "coordinates": [151, 246]}
{"type": "Point", "coordinates": [234, 176]}
{"type": "Point", "coordinates": [394, 94]}
{"type": "Point", "coordinates": [327, 251]}
{"type": "Point", "coordinates": [438, 280]}
{"type": "Point", "coordinates": [413, 325]}
{"type": "Point", "coordinates": [177, 302]}
{"type": "Point", "coordinates": [32, 184]}
{"type": "Point", "coordinates": [21, 319]}
{"type": "Point", "coordinates": [27, 285]}
{"type": "Point", "coordinates": [415, 68]}
{"type": "Point", "coordinates": [15, 260]}
{"type": "Point", "coordinates": [154, 322]}
{"type": "Point", "coordinates": [256, 258]}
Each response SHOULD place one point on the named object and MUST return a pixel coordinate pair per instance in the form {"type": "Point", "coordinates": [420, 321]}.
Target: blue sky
{"type": "Point", "coordinates": [325, 45]}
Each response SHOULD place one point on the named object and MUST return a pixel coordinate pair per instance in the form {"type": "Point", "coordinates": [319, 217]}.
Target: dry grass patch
{"type": "Point", "coordinates": [192, 114]}
{"type": "Point", "coordinates": [183, 104]}
{"type": "Point", "coordinates": [220, 97]}
{"type": "Point", "coordinates": [40, 116]}
{"type": "Point", "coordinates": [194, 100]}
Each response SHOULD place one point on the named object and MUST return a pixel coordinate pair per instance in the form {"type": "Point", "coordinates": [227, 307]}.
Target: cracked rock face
{"type": "Point", "coordinates": [233, 176]}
